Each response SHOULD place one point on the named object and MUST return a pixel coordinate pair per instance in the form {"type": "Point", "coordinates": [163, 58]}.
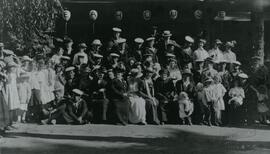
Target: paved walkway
{"type": "Point", "coordinates": [110, 139]}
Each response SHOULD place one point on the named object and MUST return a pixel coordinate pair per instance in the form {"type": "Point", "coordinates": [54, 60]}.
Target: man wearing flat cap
{"type": "Point", "coordinates": [82, 48]}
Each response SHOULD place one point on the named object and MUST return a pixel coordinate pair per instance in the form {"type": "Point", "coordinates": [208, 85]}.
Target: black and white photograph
{"type": "Point", "coordinates": [134, 76]}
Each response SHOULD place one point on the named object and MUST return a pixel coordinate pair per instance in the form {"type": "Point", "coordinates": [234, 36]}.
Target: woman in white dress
{"type": "Point", "coordinates": [11, 90]}
{"type": "Point", "coordinates": [137, 113]}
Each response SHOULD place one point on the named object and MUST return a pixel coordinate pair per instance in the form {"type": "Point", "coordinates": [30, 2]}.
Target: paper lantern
{"type": "Point", "coordinates": [118, 15]}
{"type": "Point", "coordinates": [93, 15]}
{"type": "Point", "coordinates": [173, 14]}
{"type": "Point", "coordinates": [146, 14]}
{"type": "Point", "coordinates": [198, 14]}
{"type": "Point", "coordinates": [66, 15]}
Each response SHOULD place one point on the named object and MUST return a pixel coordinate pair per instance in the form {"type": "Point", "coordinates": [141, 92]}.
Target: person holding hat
{"type": "Point", "coordinates": [114, 60]}
{"type": "Point", "coordinates": [137, 52]}
{"type": "Point", "coordinates": [116, 36]}
{"type": "Point", "coordinates": [216, 53]}
{"type": "Point", "coordinates": [24, 92]}
{"type": "Point", "coordinates": [164, 88]}
{"type": "Point", "coordinates": [200, 53]}
{"type": "Point", "coordinates": [187, 46]}
{"type": "Point", "coordinates": [121, 49]}
{"type": "Point", "coordinates": [77, 110]}
{"type": "Point", "coordinates": [150, 49]}
{"type": "Point", "coordinates": [81, 52]}
{"type": "Point", "coordinates": [162, 46]}
{"type": "Point", "coordinates": [118, 97]}
{"type": "Point", "coordinates": [95, 49]}
{"type": "Point", "coordinates": [54, 111]}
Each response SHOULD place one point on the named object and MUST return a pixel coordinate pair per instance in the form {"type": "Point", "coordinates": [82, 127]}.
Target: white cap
{"type": "Point", "coordinates": [189, 39]}
{"type": "Point", "coordinates": [243, 75]}
{"type": "Point", "coordinates": [114, 55]}
{"type": "Point", "coordinates": [27, 58]}
{"type": "Point", "coordinates": [138, 40]}
{"type": "Point", "coordinates": [150, 39]}
{"type": "Point", "coordinates": [77, 91]}
{"type": "Point", "coordinates": [97, 55]}
{"type": "Point", "coordinates": [121, 40]}
{"type": "Point", "coordinates": [96, 42]}
{"type": "Point", "coordinates": [71, 68]}
{"type": "Point", "coordinates": [116, 29]}
{"type": "Point", "coordinates": [170, 55]}
{"type": "Point", "coordinates": [237, 63]}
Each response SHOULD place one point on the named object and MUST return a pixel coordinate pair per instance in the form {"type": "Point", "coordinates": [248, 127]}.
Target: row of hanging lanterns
{"type": "Point", "coordinates": [147, 14]}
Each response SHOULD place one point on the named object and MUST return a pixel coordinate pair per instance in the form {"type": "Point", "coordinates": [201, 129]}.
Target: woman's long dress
{"type": "Point", "coordinates": [12, 92]}
{"type": "Point", "coordinates": [137, 112]}
{"type": "Point", "coordinates": [4, 110]}
{"type": "Point", "coordinates": [46, 93]}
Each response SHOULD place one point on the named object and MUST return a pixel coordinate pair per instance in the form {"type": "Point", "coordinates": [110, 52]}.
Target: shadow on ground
{"type": "Point", "coordinates": [179, 142]}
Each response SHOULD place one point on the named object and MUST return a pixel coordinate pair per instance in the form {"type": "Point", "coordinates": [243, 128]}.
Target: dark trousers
{"type": "Point", "coordinates": [100, 110]}
{"type": "Point", "coordinates": [162, 111]}
{"type": "Point", "coordinates": [152, 111]}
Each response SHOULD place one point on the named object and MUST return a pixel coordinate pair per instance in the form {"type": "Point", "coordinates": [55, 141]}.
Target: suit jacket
{"type": "Point", "coordinates": [118, 88]}
{"type": "Point", "coordinates": [164, 89]}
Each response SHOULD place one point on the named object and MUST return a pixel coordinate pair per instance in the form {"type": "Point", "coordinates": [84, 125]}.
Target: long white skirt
{"type": "Point", "coordinates": [137, 111]}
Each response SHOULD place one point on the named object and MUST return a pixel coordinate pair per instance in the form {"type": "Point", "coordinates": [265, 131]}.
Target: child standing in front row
{"type": "Point", "coordinates": [219, 105]}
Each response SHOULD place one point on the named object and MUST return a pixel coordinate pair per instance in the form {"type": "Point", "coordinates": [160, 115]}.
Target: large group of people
{"type": "Point", "coordinates": [150, 81]}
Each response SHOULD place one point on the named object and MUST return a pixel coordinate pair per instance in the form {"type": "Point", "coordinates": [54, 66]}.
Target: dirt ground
{"type": "Point", "coordinates": [110, 139]}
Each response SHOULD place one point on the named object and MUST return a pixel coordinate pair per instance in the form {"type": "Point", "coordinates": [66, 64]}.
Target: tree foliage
{"type": "Point", "coordinates": [26, 24]}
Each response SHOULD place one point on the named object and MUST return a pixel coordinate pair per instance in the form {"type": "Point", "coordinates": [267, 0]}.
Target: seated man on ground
{"type": "Point", "coordinates": [77, 110]}
{"type": "Point", "coordinates": [53, 111]}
